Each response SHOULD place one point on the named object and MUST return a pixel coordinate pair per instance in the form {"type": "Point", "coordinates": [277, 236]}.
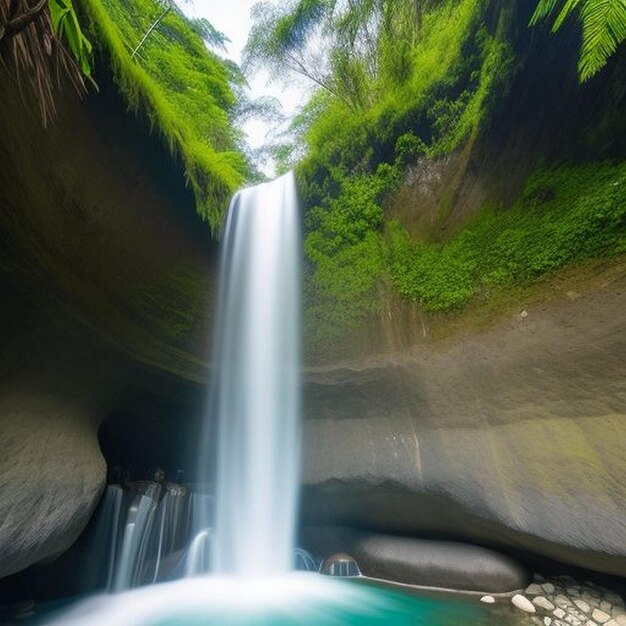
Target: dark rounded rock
{"type": "Point", "coordinates": [420, 562]}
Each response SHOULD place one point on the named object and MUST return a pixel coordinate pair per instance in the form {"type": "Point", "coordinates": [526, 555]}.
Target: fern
{"type": "Point", "coordinates": [603, 23]}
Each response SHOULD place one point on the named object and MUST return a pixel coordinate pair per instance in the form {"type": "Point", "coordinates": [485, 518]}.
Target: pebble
{"type": "Point", "coordinates": [582, 605]}
{"type": "Point", "coordinates": [600, 616]}
{"type": "Point", "coordinates": [543, 603]}
{"type": "Point", "coordinates": [562, 601]}
{"type": "Point", "coordinates": [547, 621]}
{"type": "Point", "coordinates": [488, 599]}
{"type": "Point", "coordinates": [621, 619]}
{"type": "Point", "coordinates": [606, 606]}
{"type": "Point", "coordinates": [559, 613]}
{"type": "Point", "coordinates": [523, 603]}
{"type": "Point", "coordinates": [534, 590]}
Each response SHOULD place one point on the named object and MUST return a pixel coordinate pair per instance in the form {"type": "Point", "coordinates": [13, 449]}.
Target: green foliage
{"type": "Point", "coordinates": [407, 82]}
{"type": "Point", "coordinates": [564, 216]}
{"type": "Point", "coordinates": [350, 49]}
{"type": "Point", "coordinates": [183, 88]}
{"type": "Point", "coordinates": [65, 26]}
{"type": "Point", "coordinates": [429, 73]}
{"type": "Point", "coordinates": [346, 257]}
{"type": "Point", "coordinates": [604, 28]}
{"type": "Point", "coordinates": [457, 70]}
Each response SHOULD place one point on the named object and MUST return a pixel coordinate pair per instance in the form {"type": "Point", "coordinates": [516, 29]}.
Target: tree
{"type": "Point", "coordinates": [351, 49]}
{"type": "Point", "coordinates": [603, 25]}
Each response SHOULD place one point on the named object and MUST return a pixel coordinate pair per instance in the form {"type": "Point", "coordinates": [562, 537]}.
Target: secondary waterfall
{"type": "Point", "coordinates": [257, 386]}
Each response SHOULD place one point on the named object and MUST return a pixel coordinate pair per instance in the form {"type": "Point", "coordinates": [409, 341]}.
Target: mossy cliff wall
{"type": "Point", "coordinates": [468, 382]}
{"type": "Point", "coordinates": [106, 279]}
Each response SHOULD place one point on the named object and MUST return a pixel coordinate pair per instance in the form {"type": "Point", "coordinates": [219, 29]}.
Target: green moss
{"type": "Point", "coordinates": [565, 215]}
{"type": "Point", "coordinates": [172, 304]}
{"type": "Point", "coordinates": [182, 88]}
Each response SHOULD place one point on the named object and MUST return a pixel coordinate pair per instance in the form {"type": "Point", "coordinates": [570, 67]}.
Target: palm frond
{"type": "Point", "coordinates": [604, 28]}
{"type": "Point", "coordinates": [544, 8]}
{"type": "Point", "coordinates": [566, 11]}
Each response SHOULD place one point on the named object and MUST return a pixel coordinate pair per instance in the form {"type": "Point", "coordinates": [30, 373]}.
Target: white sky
{"type": "Point", "coordinates": [232, 17]}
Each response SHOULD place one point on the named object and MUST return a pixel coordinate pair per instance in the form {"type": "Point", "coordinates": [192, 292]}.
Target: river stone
{"type": "Point", "coordinates": [543, 603]}
{"type": "Point", "coordinates": [533, 589]}
{"type": "Point", "coordinates": [488, 599]}
{"type": "Point", "coordinates": [614, 598]}
{"type": "Point", "coordinates": [600, 616]}
{"type": "Point", "coordinates": [523, 603]}
{"type": "Point", "coordinates": [429, 563]}
{"type": "Point", "coordinates": [582, 605]}
{"type": "Point", "coordinates": [559, 612]}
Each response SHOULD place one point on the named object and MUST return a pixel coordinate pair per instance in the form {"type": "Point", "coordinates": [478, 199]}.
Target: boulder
{"type": "Point", "coordinates": [422, 562]}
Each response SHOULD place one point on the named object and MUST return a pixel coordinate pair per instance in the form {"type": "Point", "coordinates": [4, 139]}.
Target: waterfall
{"type": "Point", "coordinates": [243, 522]}
{"type": "Point", "coordinates": [256, 386]}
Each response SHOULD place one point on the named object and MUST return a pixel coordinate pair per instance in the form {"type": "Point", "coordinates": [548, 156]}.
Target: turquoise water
{"type": "Point", "coordinates": [380, 607]}
{"type": "Point", "coordinates": [295, 600]}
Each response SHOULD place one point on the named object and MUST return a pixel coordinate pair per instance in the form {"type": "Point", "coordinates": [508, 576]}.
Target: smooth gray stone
{"type": "Point", "coordinates": [422, 562]}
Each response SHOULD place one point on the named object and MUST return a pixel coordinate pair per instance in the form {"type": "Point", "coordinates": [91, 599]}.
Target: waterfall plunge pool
{"type": "Point", "coordinates": [297, 599]}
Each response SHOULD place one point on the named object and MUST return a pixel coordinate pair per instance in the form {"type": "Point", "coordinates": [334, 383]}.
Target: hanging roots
{"type": "Point", "coordinates": [36, 59]}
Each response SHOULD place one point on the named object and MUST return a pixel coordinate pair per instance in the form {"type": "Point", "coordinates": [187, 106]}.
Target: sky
{"type": "Point", "coordinates": [232, 17]}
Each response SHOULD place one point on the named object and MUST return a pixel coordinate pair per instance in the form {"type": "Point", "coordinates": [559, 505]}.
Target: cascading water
{"type": "Point", "coordinates": [256, 386]}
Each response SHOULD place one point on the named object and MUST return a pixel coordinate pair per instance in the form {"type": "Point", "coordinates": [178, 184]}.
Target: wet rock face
{"type": "Point", "coordinates": [512, 437]}
{"type": "Point", "coordinates": [51, 476]}
{"type": "Point", "coordinates": [51, 468]}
